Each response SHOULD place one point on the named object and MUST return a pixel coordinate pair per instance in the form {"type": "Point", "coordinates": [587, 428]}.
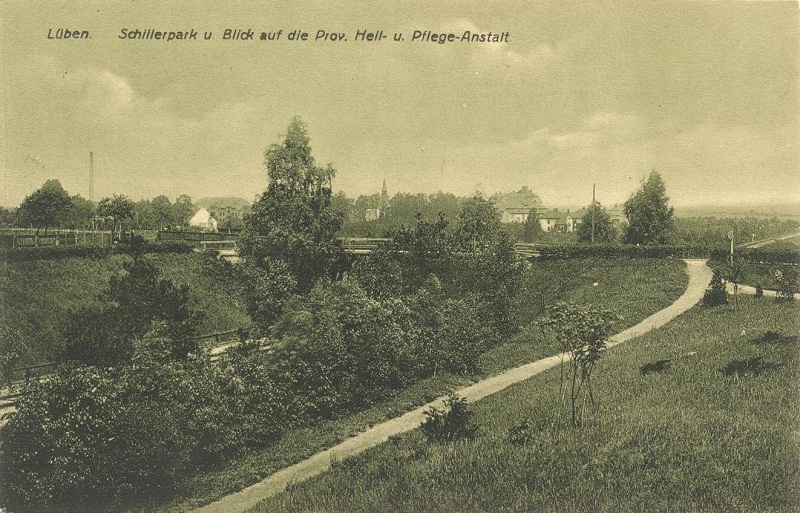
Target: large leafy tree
{"type": "Point", "coordinates": [182, 210]}
{"type": "Point", "coordinates": [477, 224]}
{"type": "Point", "coordinates": [649, 214]}
{"type": "Point", "coordinates": [117, 208]}
{"type": "Point", "coordinates": [45, 207]}
{"type": "Point", "coordinates": [604, 229]}
{"type": "Point", "coordinates": [163, 214]}
{"type": "Point", "coordinates": [292, 228]}
{"type": "Point", "coordinates": [139, 305]}
{"type": "Point", "coordinates": [80, 212]}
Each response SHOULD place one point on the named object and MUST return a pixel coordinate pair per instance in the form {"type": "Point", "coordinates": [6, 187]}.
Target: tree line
{"type": "Point", "coordinates": [51, 206]}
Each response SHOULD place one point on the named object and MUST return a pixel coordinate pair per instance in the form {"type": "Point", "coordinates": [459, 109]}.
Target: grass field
{"type": "Point", "coordinates": [632, 288]}
{"type": "Point", "coordinates": [37, 296]}
{"type": "Point", "coordinates": [701, 415]}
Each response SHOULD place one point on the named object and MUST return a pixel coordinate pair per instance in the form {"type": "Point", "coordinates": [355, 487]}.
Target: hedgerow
{"type": "Point", "coordinates": [26, 254]}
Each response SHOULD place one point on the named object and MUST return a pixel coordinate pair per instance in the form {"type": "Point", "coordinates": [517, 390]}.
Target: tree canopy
{"type": "Point", "coordinates": [117, 208]}
{"type": "Point", "coordinates": [45, 207]}
{"type": "Point", "coordinates": [649, 215]}
{"type": "Point", "coordinates": [292, 228]}
{"type": "Point", "coordinates": [604, 229]}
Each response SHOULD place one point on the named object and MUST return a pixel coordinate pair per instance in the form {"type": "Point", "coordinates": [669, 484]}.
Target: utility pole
{"type": "Point", "coordinates": [593, 210]}
{"type": "Point", "coordinates": [730, 236]}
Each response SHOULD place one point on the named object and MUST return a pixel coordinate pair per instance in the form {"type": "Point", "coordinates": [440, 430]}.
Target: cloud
{"type": "Point", "coordinates": [730, 164]}
{"type": "Point", "coordinates": [500, 55]}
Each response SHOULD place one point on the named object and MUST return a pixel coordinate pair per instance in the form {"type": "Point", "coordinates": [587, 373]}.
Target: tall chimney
{"type": "Point", "coordinates": [91, 176]}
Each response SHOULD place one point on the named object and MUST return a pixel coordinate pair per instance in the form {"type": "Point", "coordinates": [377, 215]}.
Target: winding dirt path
{"type": "Point", "coordinates": [699, 277]}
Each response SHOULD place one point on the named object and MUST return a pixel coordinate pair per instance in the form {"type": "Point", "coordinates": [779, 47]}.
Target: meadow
{"type": "Point", "coordinates": [700, 415]}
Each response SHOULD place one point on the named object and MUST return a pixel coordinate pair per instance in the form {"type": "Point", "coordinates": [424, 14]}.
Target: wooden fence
{"type": "Point", "coordinates": [28, 238]}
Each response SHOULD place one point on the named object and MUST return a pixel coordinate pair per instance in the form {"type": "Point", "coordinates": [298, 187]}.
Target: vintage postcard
{"type": "Point", "coordinates": [243, 242]}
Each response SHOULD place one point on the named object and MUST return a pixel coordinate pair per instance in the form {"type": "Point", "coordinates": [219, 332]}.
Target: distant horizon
{"type": "Point", "coordinates": [788, 208]}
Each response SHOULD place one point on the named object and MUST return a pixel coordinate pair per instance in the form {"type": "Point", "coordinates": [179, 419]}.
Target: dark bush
{"type": "Point", "coordinates": [787, 279]}
{"type": "Point", "coordinates": [454, 422]}
{"type": "Point", "coordinates": [715, 294]}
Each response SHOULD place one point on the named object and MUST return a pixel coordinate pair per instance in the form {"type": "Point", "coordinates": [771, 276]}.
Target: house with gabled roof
{"type": "Point", "coordinates": [515, 207]}
{"type": "Point", "coordinates": [203, 220]}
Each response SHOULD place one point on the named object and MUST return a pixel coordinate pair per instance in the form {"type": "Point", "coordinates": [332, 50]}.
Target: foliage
{"type": "Point", "coordinates": [453, 422]}
{"type": "Point", "coordinates": [379, 274]}
{"type": "Point", "coordinates": [400, 211]}
{"type": "Point", "coordinates": [476, 226]}
{"type": "Point", "coordinates": [424, 250]}
{"type": "Point", "coordinates": [106, 334]}
{"type": "Point", "coordinates": [47, 206]}
{"type": "Point", "coordinates": [649, 215]}
{"type": "Point", "coordinates": [81, 212]}
{"type": "Point", "coordinates": [8, 216]}
{"type": "Point", "coordinates": [604, 229]}
{"type": "Point", "coordinates": [111, 437]}
{"type": "Point", "coordinates": [182, 211]}
{"type": "Point", "coordinates": [581, 332]}
{"type": "Point", "coordinates": [163, 212]}
{"type": "Point", "coordinates": [714, 231]}
{"type": "Point", "coordinates": [343, 349]}
{"type": "Point", "coordinates": [531, 229]}
{"type": "Point", "coordinates": [292, 227]}
{"type": "Point", "coordinates": [116, 208]}
{"type": "Point", "coordinates": [715, 294]}
{"type": "Point", "coordinates": [787, 279]}
{"type": "Point", "coordinates": [13, 349]}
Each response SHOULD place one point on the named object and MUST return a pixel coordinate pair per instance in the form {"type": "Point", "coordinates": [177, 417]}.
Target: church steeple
{"type": "Point", "coordinates": [384, 193]}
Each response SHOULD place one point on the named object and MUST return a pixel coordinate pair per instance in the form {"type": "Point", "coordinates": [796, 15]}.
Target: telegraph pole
{"type": "Point", "coordinates": [730, 236]}
{"type": "Point", "coordinates": [593, 211]}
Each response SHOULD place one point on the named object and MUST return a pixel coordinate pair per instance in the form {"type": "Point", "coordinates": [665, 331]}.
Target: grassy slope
{"type": "Point", "coordinates": [688, 439]}
{"type": "Point", "coordinates": [633, 288]}
{"type": "Point", "coordinates": [37, 296]}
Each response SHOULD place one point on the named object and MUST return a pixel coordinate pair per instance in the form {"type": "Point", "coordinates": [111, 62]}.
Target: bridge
{"type": "Point", "coordinates": [227, 249]}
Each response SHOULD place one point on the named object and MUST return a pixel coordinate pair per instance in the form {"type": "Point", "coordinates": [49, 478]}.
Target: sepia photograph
{"type": "Point", "coordinates": [399, 256]}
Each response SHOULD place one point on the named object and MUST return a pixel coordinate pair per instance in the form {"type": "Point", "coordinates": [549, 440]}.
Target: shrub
{"type": "Point", "coordinates": [715, 294]}
{"type": "Point", "coordinates": [581, 332]}
{"type": "Point", "coordinates": [99, 439]}
{"type": "Point", "coordinates": [454, 422]}
{"type": "Point", "coordinates": [787, 279]}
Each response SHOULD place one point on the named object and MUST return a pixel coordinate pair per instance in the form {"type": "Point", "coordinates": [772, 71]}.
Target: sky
{"type": "Point", "coordinates": [581, 93]}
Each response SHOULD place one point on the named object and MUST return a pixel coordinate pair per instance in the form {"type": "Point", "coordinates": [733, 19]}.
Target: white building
{"type": "Point", "coordinates": [203, 220]}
